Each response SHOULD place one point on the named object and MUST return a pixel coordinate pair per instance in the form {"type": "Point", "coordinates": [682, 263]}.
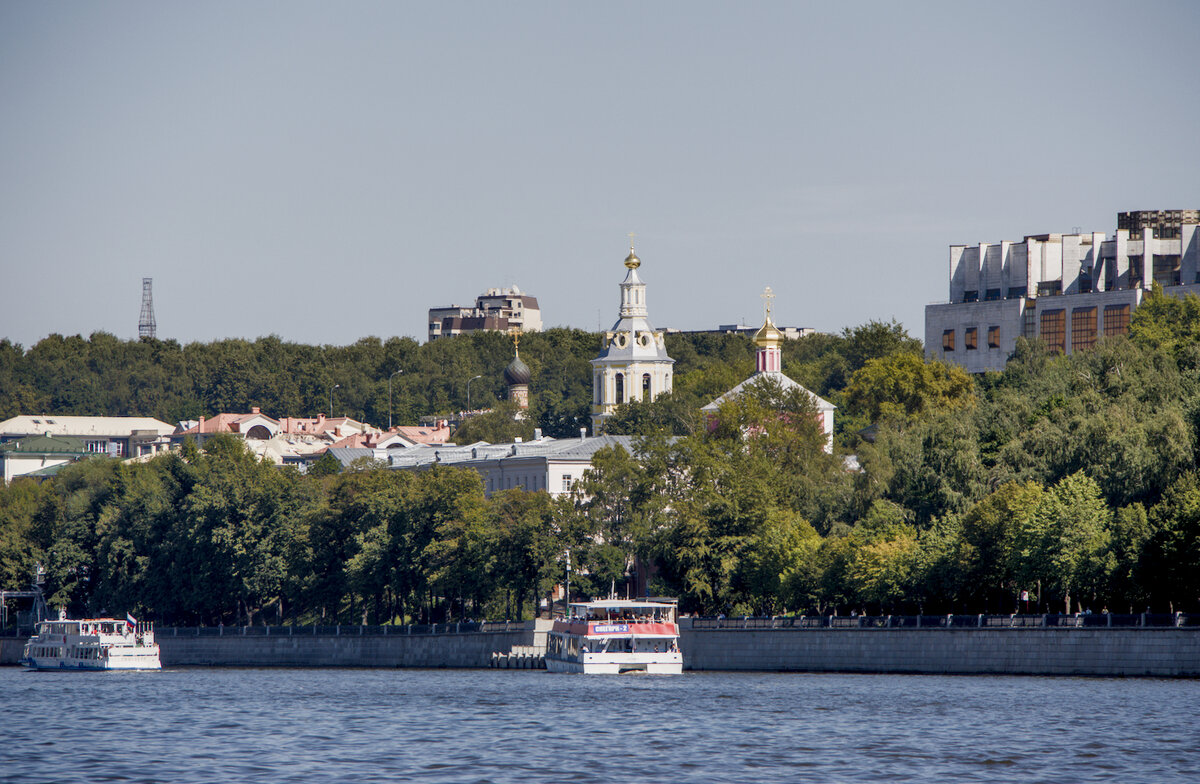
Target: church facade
{"type": "Point", "coordinates": [633, 363]}
{"type": "Point", "coordinates": [768, 342]}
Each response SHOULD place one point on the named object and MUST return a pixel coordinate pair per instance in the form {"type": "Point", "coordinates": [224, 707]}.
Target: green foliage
{"type": "Point", "coordinates": [1076, 472]}
{"type": "Point", "coordinates": [1064, 544]}
{"type": "Point", "coordinates": [904, 383]}
{"type": "Point", "coordinates": [1168, 323]}
{"type": "Point", "coordinates": [505, 422]}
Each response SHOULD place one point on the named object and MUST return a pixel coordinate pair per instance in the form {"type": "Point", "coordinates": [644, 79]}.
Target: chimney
{"type": "Point", "coordinates": [200, 427]}
{"type": "Point", "coordinates": [254, 409]}
{"type": "Point", "coordinates": [537, 434]}
{"type": "Point", "coordinates": [583, 434]}
{"type": "Point", "coordinates": [320, 420]}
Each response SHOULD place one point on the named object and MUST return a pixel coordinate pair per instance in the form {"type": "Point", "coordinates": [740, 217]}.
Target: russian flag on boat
{"type": "Point", "coordinates": [129, 621]}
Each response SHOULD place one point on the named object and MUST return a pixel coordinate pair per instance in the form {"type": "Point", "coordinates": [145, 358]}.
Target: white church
{"type": "Point", "coordinates": [634, 365]}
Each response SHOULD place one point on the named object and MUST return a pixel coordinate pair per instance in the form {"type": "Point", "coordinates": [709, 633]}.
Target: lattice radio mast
{"type": "Point", "coordinates": [146, 326]}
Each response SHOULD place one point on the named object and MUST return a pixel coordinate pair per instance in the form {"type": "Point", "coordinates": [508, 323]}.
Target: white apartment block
{"type": "Point", "coordinates": [1069, 290]}
{"type": "Point", "coordinates": [503, 310]}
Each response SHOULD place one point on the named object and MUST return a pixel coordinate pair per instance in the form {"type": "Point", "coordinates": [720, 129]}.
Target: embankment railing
{"type": "Point", "coordinates": [1014, 621]}
{"type": "Point", "coordinates": [312, 630]}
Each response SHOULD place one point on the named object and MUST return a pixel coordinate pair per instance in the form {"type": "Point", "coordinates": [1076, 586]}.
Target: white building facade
{"type": "Point", "coordinates": [1069, 290]}
{"type": "Point", "coordinates": [544, 464]}
{"type": "Point", "coordinates": [633, 363]}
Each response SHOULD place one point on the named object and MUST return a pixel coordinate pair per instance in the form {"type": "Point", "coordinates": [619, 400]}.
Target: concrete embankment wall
{"type": "Point", "coordinates": [1157, 652]}
{"type": "Point", "coordinates": [11, 648]}
{"type": "Point", "coordinates": [347, 649]}
{"type": "Point", "coordinates": [1098, 652]}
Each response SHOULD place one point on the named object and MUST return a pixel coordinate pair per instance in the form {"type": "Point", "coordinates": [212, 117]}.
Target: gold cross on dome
{"type": "Point", "coordinates": [767, 296]}
{"type": "Point", "coordinates": [631, 236]}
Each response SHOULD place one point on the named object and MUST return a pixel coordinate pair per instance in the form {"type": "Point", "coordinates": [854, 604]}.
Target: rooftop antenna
{"type": "Point", "coordinates": [146, 325]}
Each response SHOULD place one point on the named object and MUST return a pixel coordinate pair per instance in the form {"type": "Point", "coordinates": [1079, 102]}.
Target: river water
{"type": "Point", "coordinates": [327, 725]}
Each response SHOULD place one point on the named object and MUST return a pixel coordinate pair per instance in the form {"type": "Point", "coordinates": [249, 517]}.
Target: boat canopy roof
{"type": "Point", "coordinates": [628, 604]}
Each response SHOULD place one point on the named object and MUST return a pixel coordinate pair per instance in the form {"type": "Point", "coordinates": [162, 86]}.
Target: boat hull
{"type": "Point", "coordinates": [139, 661]}
{"type": "Point", "coordinates": [659, 666]}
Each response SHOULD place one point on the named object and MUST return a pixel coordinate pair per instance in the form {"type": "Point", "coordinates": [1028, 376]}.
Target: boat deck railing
{"type": "Point", "coordinates": [1014, 621]}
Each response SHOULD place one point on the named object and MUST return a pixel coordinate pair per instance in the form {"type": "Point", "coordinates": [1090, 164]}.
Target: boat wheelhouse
{"type": "Point", "coordinates": [616, 636]}
{"type": "Point", "coordinates": [92, 644]}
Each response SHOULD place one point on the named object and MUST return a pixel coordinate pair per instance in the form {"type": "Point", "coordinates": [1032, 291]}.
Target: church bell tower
{"type": "Point", "coordinates": [633, 362]}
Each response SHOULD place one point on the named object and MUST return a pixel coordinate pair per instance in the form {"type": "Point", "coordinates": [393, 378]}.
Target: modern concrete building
{"type": "Point", "coordinates": [501, 310]}
{"type": "Point", "coordinates": [550, 464]}
{"type": "Point", "coordinates": [1069, 290]}
{"type": "Point", "coordinates": [633, 362]}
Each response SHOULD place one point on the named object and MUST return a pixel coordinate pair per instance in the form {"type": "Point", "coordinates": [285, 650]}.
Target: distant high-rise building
{"type": "Point", "coordinates": [503, 310]}
{"type": "Point", "coordinates": [146, 326]}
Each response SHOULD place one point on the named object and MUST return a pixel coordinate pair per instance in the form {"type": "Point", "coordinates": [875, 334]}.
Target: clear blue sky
{"type": "Point", "coordinates": [329, 171]}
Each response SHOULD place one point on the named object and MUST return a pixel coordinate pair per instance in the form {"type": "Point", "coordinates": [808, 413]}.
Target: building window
{"type": "Point", "coordinates": [645, 386]}
{"type": "Point", "coordinates": [567, 481]}
{"type": "Point", "coordinates": [947, 340]}
{"type": "Point", "coordinates": [99, 447]}
{"type": "Point", "coordinates": [971, 338]}
{"type": "Point", "coordinates": [971, 296]}
{"type": "Point", "coordinates": [993, 337]}
{"type": "Point", "coordinates": [620, 388]}
{"type": "Point", "coordinates": [992, 295]}
{"type": "Point", "coordinates": [1166, 269]}
{"type": "Point", "coordinates": [1054, 329]}
{"type": "Point", "coordinates": [1029, 322]}
{"type": "Point", "coordinates": [1049, 288]}
{"type": "Point", "coordinates": [1083, 328]}
{"type": "Point", "coordinates": [1116, 319]}
{"type": "Point", "coordinates": [1017, 292]}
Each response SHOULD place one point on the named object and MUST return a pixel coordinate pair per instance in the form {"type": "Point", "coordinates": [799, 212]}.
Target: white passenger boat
{"type": "Point", "coordinates": [92, 644]}
{"type": "Point", "coordinates": [616, 636]}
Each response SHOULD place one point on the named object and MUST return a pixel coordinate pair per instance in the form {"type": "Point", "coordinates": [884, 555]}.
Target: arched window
{"type": "Point", "coordinates": [620, 388]}
{"type": "Point", "coordinates": [645, 386]}
{"type": "Point", "coordinates": [258, 432]}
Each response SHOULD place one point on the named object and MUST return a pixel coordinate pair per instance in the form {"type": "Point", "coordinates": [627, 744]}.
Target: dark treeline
{"type": "Point", "coordinates": [104, 376]}
{"type": "Point", "coordinates": [1074, 478]}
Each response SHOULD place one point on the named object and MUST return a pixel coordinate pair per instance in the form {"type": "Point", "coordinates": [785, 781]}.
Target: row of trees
{"type": "Point", "coordinates": [216, 536]}
{"type": "Point", "coordinates": [104, 376]}
{"type": "Point", "coordinates": [1074, 478]}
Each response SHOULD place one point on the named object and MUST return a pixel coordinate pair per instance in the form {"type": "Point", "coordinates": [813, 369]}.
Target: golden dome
{"type": "Point", "coordinates": [768, 336]}
{"type": "Point", "coordinates": [632, 261]}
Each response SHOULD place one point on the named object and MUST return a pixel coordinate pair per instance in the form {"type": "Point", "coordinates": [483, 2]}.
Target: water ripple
{"type": "Point", "coordinates": [196, 726]}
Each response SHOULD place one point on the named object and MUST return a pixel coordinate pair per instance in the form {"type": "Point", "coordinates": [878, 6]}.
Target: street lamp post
{"type": "Point", "coordinates": [469, 380]}
{"type": "Point", "coordinates": [335, 386]}
{"type": "Point", "coordinates": [390, 397]}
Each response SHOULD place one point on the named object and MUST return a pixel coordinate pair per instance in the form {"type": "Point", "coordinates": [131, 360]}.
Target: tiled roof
{"type": "Point", "coordinates": [424, 435]}
{"type": "Point", "coordinates": [223, 423]}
